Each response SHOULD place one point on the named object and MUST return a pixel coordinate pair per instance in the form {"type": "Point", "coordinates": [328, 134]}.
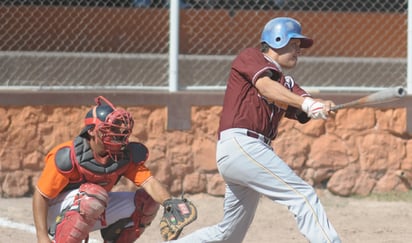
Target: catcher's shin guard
{"type": "Point", "coordinates": [128, 230]}
{"type": "Point", "coordinates": [75, 223]}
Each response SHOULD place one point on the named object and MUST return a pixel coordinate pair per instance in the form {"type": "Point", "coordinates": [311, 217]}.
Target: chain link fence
{"type": "Point", "coordinates": [118, 44]}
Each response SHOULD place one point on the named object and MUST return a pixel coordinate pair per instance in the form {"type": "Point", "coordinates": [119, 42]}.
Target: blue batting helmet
{"type": "Point", "coordinates": [278, 32]}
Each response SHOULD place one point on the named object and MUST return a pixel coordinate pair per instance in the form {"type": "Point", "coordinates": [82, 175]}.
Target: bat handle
{"type": "Point", "coordinates": [335, 108]}
{"type": "Point", "coordinates": [338, 107]}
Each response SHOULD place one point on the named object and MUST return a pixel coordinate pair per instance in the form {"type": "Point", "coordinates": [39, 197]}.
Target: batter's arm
{"type": "Point", "coordinates": [40, 211]}
{"type": "Point", "coordinates": [275, 92]}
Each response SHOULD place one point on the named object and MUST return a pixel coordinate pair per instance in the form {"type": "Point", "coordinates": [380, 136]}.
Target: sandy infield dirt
{"type": "Point", "coordinates": [366, 220]}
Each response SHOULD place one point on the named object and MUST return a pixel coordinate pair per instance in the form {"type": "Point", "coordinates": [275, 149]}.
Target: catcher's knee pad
{"type": "Point", "coordinates": [146, 209]}
{"type": "Point", "coordinates": [75, 223]}
{"type": "Point", "coordinates": [129, 229]}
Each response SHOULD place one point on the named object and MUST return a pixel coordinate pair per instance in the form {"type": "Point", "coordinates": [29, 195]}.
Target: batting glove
{"type": "Point", "coordinates": [314, 109]}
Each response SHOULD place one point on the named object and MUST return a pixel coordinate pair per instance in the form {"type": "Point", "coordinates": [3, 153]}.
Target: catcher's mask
{"type": "Point", "coordinates": [279, 31]}
{"type": "Point", "coordinates": [113, 126]}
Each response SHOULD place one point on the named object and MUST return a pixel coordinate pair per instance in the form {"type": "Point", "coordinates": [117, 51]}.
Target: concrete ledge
{"type": "Point", "coordinates": [151, 70]}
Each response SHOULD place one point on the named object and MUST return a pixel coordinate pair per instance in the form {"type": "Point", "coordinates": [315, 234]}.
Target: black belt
{"type": "Point", "coordinates": [258, 136]}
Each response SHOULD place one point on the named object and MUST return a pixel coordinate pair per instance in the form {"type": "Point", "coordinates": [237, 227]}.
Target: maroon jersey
{"type": "Point", "coordinates": [243, 107]}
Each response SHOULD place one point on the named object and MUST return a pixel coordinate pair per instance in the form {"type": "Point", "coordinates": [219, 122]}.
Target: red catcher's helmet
{"type": "Point", "coordinates": [114, 126]}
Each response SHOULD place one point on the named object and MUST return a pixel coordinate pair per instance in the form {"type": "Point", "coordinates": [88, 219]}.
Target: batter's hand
{"type": "Point", "coordinates": [328, 105]}
{"type": "Point", "coordinates": [315, 109]}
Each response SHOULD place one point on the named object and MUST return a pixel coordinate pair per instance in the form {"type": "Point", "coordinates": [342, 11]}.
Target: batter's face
{"type": "Point", "coordinates": [287, 57]}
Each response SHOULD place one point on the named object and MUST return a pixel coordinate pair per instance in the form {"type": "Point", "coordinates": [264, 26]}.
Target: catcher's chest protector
{"type": "Point", "coordinates": [80, 156]}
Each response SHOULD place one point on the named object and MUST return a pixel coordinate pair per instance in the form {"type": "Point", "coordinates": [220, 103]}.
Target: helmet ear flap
{"type": "Point", "coordinates": [280, 39]}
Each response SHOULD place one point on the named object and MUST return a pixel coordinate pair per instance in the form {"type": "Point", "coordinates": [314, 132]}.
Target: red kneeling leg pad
{"type": "Point", "coordinates": [77, 222]}
{"type": "Point", "coordinates": [145, 212]}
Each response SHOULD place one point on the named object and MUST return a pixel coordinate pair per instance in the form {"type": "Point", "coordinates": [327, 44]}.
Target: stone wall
{"type": "Point", "coordinates": [357, 152]}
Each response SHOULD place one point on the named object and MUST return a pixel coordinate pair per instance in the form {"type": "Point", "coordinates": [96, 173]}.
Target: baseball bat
{"type": "Point", "coordinates": [382, 96]}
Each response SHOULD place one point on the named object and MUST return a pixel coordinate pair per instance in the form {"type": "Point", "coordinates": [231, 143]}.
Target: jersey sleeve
{"type": "Point", "coordinates": [51, 182]}
{"type": "Point", "coordinates": [138, 173]}
{"type": "Point", "coordinates": [293, 112]}
{"type": "Point", "coordinates": [252, 64]}
{"type": "Point", "coordinates": [299, 91]}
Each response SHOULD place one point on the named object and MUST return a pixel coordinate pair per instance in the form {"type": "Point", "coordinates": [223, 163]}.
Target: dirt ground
{"type": "Point", "coordinates": [366, 220]}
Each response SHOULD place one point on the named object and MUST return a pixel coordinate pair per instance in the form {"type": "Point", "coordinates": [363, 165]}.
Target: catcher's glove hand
{"type": "Point", "coordinates": [177, 214]}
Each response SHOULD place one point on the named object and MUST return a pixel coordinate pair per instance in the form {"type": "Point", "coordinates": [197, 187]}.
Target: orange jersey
{"type": "Point", "coordinates": [54, 179]}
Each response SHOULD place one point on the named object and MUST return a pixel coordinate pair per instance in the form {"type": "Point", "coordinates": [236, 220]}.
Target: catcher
{"type": "Point", "coordinates": [73, 194]}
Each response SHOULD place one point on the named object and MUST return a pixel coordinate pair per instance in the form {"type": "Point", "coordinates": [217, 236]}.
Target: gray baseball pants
{"type": "Point", "coordinates": [250, 169]}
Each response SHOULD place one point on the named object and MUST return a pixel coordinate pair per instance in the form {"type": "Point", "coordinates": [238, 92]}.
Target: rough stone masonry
{"type": "Point", "coordinates": [359, 151]}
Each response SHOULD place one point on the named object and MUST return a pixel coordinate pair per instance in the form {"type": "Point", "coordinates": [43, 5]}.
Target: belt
{"type": "Point", "coordinates": [233, 131]}
{"type": "Point", "coordinates": [259, 136]}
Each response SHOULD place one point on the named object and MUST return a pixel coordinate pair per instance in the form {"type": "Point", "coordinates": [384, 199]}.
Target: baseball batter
{"type": "Point", "coordinates": [73, 195]}
{"type": "Point", "coordinates": [258, 96]}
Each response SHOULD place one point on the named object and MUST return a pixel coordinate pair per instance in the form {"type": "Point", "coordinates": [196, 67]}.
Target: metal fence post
{"type": "Point", "coordinates": [174, 46]}
{"type": "Point", "coordinates": [409, 51]}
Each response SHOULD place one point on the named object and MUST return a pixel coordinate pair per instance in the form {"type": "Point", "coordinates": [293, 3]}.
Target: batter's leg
{"type": "Point", "coordinates": [240, 200]}
{"type": "Point", "coordinates": [256, 166]}
{"type": "Point", "coordinates": [278, 182]}
{"type": "Point", "coordinates": [239, 209]}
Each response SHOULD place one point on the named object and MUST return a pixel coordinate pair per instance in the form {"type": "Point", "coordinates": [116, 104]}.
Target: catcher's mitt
{"type": "Point", "coordinates": [177, 214]}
